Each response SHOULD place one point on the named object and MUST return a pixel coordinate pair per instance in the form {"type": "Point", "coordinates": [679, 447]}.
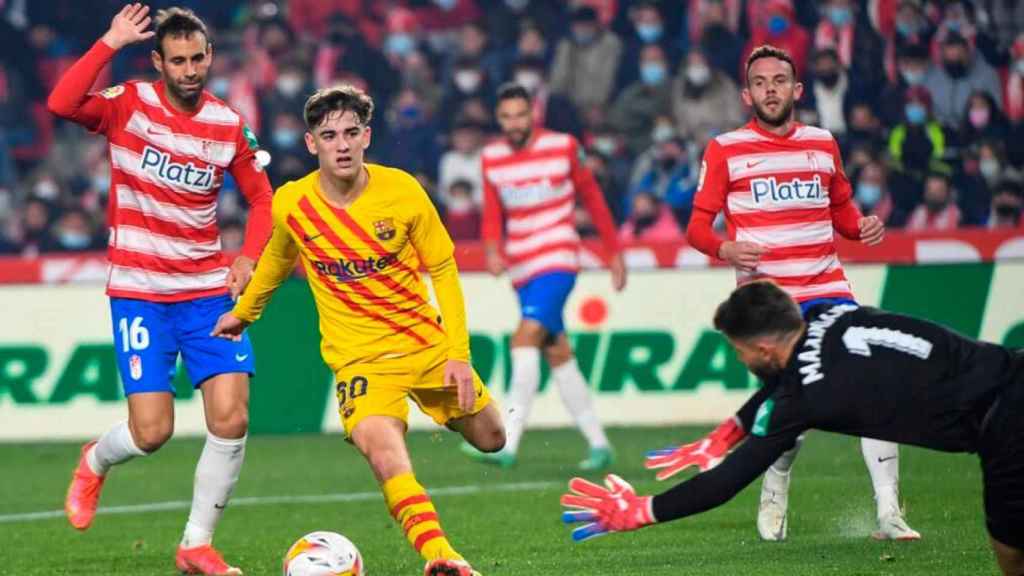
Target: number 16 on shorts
{"type": "Point", "coordinates": [134, 339]}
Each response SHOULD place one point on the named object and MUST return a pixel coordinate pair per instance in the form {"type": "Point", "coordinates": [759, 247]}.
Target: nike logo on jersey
{"type": "Point", "coordinates": [159, 164]}
{"type": "Point", "coordinates": [309, 238]}
{"type": "Point", "coordinates": [752, 163]}
{"type": "Point", "coordinates": [771, 191]}
{"type": "Point", "coordinates": [241, 357]}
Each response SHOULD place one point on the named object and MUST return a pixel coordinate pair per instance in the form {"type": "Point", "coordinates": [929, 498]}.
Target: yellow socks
{"type": "Point", "coordinates": [411, 507]}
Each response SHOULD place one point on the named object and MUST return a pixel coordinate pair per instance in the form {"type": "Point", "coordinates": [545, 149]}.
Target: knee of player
{"type": "Point", "coordinates": [150, 437]}
{"type": "Point", "coordinates": [234, 424]}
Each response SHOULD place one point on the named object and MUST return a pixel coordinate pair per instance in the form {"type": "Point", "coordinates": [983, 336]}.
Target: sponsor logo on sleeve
{"type": "Point", "coordinates": [112, 92]}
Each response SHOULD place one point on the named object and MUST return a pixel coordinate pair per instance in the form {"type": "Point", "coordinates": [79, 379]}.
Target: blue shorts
{"type": "Point", "coordinates": [543, 299]}
{"type": "Point", "coordinates": [149, 335]}
{"type": "Point", "coordinates": [806, 305]}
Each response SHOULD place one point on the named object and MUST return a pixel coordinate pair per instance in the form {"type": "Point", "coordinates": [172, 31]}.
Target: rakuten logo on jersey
{"type": "Point", "coordinates": [160, 165]}
{"type": "Point", "coordinates": [771, 191]}
{"type": "Point", "coordinates": [348, 270]}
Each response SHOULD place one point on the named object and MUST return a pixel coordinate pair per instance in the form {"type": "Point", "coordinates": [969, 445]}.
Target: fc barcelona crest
{"type": "Point", "coordinates": [384, 229]}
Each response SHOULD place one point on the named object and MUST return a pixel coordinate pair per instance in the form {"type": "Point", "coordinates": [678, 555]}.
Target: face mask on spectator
{"type": "Point", "coordinates": [285, 137]}
{"type": "Point", "coordinates": [460, 204]}
{"type": "Point", "coordinates": [606, 145]}
{"type": "Point", "coordinates": [219, 87]}
{"type": "Point", "coordinates": [517, 5]}
{"type": "Point", "coordinates": [46, 190]}
{"type": "Point", "coordinates": [652, 73]}
{"type": "Point", "coordinates": [446, 4]}
{"type": "Point", "coordinates": [698, 74]}
{"type": "Point", "coordinates": [952, 25]}
{"type": "Point", "coordinates": [868, 194]}
{"type": "Point", "coordinates": [840, 15]}
{"type": "Point", "coordinates": [662, 133]}
{"type": "Point", "coordinates": [73, 240]}
{"type": "Point", "coordinates": [907, 29]}
{"type": "Point", "coordinates": [584, 37]}
{"type": "Point", "coordinates": [468, 81]}
{"type": "Point", "coordinates": [777, 25]}
{"type": "Point", "coordinates": [912, 77]}
{"type": "Point", "coordinates": [100, 182]}
{"type": "Point", "coordinates": [916, 113]}
{"type": "Point", "coordinates": [989, 168]}
{"type": "Point", "coordinates": [978, 116]}
{"type": "Point", "coordinates": [1008, 211]}
{"type": "Point", "coordinates": [529, 80]}
{"type": "Point", "coordinates": [289, 84]}
{"type": "Point", "coordinates": [1018, 66]}
{"type": "Point", "coordinates": [399, 44]}
{"type": "Point", "coordinates": [649, 32]}
{"type": "Point", "coordinates": [410, 112]}
{"type": "Point", "coordinates": [955, 68]}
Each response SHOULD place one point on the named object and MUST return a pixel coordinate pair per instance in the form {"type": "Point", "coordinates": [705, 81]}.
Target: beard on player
{"type": "Point", "coordinates": [783, 110]}
{"type": "Point", "coordinates": [187, 89]}
{"type": "Point", "coordinates": [518, 138]}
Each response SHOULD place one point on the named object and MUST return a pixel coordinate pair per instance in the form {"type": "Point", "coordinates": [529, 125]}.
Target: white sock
{"type": "Point", "coordinates": [573, 389]}
{"type": "Point", "coordinates": [216, 476]}
{"type": "Point", "coordinates": [785, 462]}
{"type": "Point", "coordinates": [883, 461]}
{"type": "Point", "coordinates": [114, 447]}
{"type": "Point", "coordinates": [523, 387]}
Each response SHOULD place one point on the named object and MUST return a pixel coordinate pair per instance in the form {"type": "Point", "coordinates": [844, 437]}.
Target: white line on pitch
{"type": "Point", "coordinates": [271, 500]}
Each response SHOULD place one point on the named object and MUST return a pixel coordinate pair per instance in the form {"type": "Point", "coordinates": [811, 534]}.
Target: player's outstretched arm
{"type": "Point", "coordinates": [229, 327]}
{"type": "Point", "coordinates": [274, 267]}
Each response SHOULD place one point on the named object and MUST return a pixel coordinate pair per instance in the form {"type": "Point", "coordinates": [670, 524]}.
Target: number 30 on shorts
{"type": "Point", "coordinates": [134, 336]}
{"type": "Point", "coordinates": [351, 390]}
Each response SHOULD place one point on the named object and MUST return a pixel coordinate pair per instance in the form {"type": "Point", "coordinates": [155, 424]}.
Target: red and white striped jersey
{"type": "Point", "coordinates": [535, 189]}
{"type": "Point", "coordinates": [167, 168]}
{"type": "Point", "coordinates": [787, 193]}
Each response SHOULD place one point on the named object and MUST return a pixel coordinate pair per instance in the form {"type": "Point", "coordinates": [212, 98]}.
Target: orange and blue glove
{"type": "Point", "coordinates": [614, 507]}
{"type": "Point", "coordinates": [705, 453]}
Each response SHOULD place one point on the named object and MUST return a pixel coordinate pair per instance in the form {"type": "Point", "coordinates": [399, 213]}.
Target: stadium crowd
{"type": "Point", "coordinates": [926, 99]}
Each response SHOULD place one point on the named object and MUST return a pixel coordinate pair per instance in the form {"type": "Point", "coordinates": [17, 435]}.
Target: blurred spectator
{"type": "Point", "coordinates": [982, 120]}
{"type": "Point", "coordinates": [1013, 82]}
{"type": "Point", "coordinates": [287, 96]}
{"type": "Point", "coordinates": [73, 232]}
{"type": "Point", "coordinates": [911, 28]}
{"type": "Point", "coordinates": [774, 23]}
{"type": "Point", "coordinates": [417, 73]}
{"type": "Point", "coordinates": [473, 45]}
{"type": "Point", "coordinates": [640, 103]}
{"type": "Point", "coordinates": [1005, 19]}
{"type": "Point", "coordinates": [438, 17]}
{"type": "Point", "coordinates": [705, 101]}
{"type": "Point", "coordinates": [829, 92]}
{"type": "Point", "coordinates": [586, 63]}
{"type": "Point", "coordinates": [938, 212]}
{"type": "Point", "coordinates": [232, 235]}
{"type": "Point", "coordinates": [717, 34]}
{"type": "Point", "coordinates": [912, 69]}
{"type": "Point", "coordinates": [609, 178]}
{"type": "Point", "coordinates": [1007, 203]}
{"type": "Point", "coordinates": [962, 73]}
{"type": "Point", "coordinates": [505, 18]}
{"type": "Point", "coordinates": [413, 134]}
{"type": "Point", "coordinates": [960, 18]}
{"type": "Point", "coordinates": [858, 48]}
{"type": "Point", "coordinates": [286, 143]}
{"type": "Point", "coordinates": [347, 51]}
{"type": "Point", "coordinates": [649, 220]}
{"type": "Point", "coordinates": [531, 44]}
{"type": "Point", "coordinates": [316, 19]}
{"type": "Point", "coordinates": [918, 139]}
{"type": "Point", "coordinates": [872, 195]}
{"type": "Point", "coordinates": [667, 173]}
{"type": "Point", "coordinates": [863, 130]}
{"type": "Point", "coordinates": [648, 28]}
{"type": "Point", "coordinates": [32, 229]}
{"type": "Point", "coordinates": [550, 110]}
{"type": "Point", "coordinates": [468, 82]}
{"type": "Point", "coordinates": [462, 212]}
{"type": "Point", "coordinates": [462, 162]}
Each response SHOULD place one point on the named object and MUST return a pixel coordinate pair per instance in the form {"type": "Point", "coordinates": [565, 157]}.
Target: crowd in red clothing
{"type": "Point", "coordinates": [925, 97]}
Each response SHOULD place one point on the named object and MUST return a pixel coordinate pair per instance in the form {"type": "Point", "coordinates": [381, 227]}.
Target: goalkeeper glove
{"type": "Point", "coordinates": [705, 453]}
{"type": "Point", "coordinates": [614, 507]}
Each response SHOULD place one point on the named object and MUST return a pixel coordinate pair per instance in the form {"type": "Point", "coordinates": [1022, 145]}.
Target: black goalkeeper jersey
{"type": "Point", "coordinates": [863, 372]}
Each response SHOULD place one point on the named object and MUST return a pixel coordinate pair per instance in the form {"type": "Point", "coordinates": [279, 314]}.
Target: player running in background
{"type": "Point", "coordinates": [171, 143]}
{"type": "Point", "coordinates": [363, 232]}
{"type": "Point", "coordinates": [856, 371]}
{"type": "Point", "coordinates": [531, 180]}
{"type": "Point", "coordinates": [784, 194]}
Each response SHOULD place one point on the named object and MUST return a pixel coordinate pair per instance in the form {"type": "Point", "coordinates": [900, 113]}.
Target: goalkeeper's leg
{"type": "Point", "coordinates": [773, 509]}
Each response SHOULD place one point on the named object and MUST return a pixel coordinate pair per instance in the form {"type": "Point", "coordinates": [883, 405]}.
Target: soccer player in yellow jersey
{"type": "Point", "coordinates": [363, 232]}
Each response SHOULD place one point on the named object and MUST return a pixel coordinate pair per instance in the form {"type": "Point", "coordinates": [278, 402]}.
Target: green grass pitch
{"type": "Point", "coordinates": [506, 522]}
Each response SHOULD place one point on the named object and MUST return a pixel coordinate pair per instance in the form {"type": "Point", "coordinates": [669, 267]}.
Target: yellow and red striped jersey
{"type": "Point", "coordinates": [363, 264]}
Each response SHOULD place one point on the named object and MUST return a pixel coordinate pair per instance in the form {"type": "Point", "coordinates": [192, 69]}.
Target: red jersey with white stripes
{"type": "Point", "coordinates": [787, 193]}
{"type": "Point", "coordinates": [166, 170]}
{"type": "Point", "coordinates": [533, 189]}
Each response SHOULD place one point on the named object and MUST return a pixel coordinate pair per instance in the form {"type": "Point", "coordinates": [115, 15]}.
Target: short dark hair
{"type": "Point", "coordinates": [756, 310]}
{"type": "Point", "coordinates": [511, 91]}
{"type": "Point", "coordinates": [342, 98]}
{"type": "Point", "coordinates": [768, 51]}
{"type": "Point", "coordinates": [178, 23]}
